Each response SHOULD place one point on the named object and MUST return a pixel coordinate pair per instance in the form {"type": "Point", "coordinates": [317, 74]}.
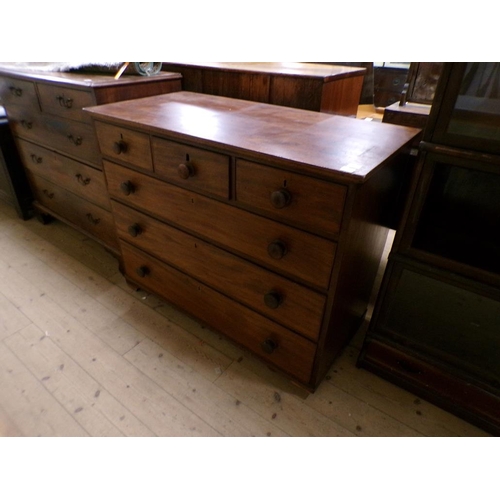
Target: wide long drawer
{"type": "Point", "coordinates": [282, 300]}
{"type": "Point", "coordinates": [277, 345]}
{"type": "Point", "coordinates": [67, 136]}
{"type": "Point", "coordinates": [69, 207]}
{"type": "Point", "coordinates": [276, 245]}
{"type": "Point", "coordinates": [72, 175]}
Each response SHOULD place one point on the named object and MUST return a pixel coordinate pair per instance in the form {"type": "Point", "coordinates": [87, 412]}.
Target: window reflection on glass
{"type": "Point", "coordinates": [476, 111]}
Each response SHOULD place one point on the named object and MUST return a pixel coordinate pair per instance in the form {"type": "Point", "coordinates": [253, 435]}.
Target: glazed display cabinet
{"type": "Point", "coordinates": [436, 325]}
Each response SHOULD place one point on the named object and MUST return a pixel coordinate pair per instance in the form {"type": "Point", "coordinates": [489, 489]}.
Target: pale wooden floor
{"type": "Point", "coordinates": [81, 354]}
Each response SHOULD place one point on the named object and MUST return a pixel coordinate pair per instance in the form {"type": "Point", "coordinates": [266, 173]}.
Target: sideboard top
{"type": "Point", "coordinates": [79, 78]}
{"type": "Point", "coordinates": [338, 145]}
{"type": "Point", "coordinates": [324, 72]}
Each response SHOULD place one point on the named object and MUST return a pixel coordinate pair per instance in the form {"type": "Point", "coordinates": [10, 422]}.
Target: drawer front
{"type": "Point", "coordinates": [124, 145]}
{"type": "Point", "coordinates": [69, 137]}
{"type": "Point", "coordinates": [72, 175]}
{"type": "Point", "coordinates": [18, 93]}
{"type": "Point", "coordinates": [280, 247]}
{"type": "Point", "coordinates": [282, 300]}
{"type": "Point", "coordinates": [302, 201]}
{"type": "Point", "coordinates": [83, 214]}
{"type": "Point", "coordinates": [191, 167]}
{"type": "Point", "coordinates": [277, 345]}
{"type": "Point", "coordinates": [435, 383]}
{"type": "Point", "coordinates": [65, 102]}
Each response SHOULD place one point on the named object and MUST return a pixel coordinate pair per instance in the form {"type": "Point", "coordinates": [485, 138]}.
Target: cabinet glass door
{"type": "Point", "coordinates": [460, 217]}
{"type": "Point", "coordinates": [470, 117]}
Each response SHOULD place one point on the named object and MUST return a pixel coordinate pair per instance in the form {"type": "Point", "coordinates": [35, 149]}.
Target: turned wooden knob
{"type": "Point", "coordinates": [185, 170]}
{"type": "Point", "coordinates": [142, 271]}
{"type": "Point", "coordinates": [120, 147]}
{"type": "Point", "coordinates": [273, 299]}
{"type": "Point", "coordinates": [134, 230]}
{"type": "Point", "coordinates": [280, 198]}
{"type": "Point", "coordinates": [269, 346]}
{"type": "Point", "coordinates": [127, 188]}
{"type": "Point", "coordinates": [277, 249]}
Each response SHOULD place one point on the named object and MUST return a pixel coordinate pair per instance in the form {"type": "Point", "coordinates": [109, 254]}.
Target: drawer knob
{"type": "Point", "coordinates": [273, 299]}
{"type": "Point", "coordinates": [77, 141]}
{"type": "Point", "coordinates": [277, 249]}
{"type": "Point", "coordinates": [65, 102]}
{"type": "Point", "coordinates": [281, 198]}
{"type": "Point", "coordinates": [18, 92]}
{"type": "Point", "coordinates": [120, 147]}
{"type": "Point", "coordinates": [269, 346]}
{"type": "Point", "coordinates": [134, 230]}
{"type": "Point", "coordinates": [127, 188]}
{"type": "Point", "coordinates": [92, 219]}
{"type": "Point", "coordinates": [36, 159]}
{"type": "Point", "coordinates": [142, 271]}
{"type": "Point", "coordinates": [185, 170]}
{"type": "Point", "coordinates": [27, 125]}
{"type": "Point", "coordinates": [82, 180]}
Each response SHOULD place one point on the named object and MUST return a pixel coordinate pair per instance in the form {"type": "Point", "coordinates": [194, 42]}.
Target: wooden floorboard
{"type": "Point", "coordinates": [83, 354]}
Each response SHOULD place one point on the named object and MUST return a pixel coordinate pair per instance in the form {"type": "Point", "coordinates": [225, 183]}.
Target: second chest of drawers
{"type": "Point", "coordinates": [57, 141]}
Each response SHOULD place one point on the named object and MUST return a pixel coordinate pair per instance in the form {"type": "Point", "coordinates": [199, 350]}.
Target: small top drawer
{"type": "Point", "coordinates": [191, 167]}
{"type": "Point", "coordinates": [18, 93]}
{"type": "Point", "coordinates": [125, 145]}
{"type": "Point", "coordinates": [305, 202]}
{"type": "Point", "coordinates": [64, 101]}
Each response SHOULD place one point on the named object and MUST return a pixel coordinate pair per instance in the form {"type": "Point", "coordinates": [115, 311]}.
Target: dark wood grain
{"type": "Point", "coordinates": [293, 353]}
{"type": "Point", "coordinates": [316, 87]}
{"type": "Point", "coordinates": [318, 144]}
{"type": "Point", "coordinates": [309, 258]}
{"type": "Point", "coordinates": [301, 309]}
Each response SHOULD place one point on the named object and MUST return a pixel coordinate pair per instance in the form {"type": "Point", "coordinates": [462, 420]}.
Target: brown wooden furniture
{"type": "Point", "coordinates": [14, 187]}
{"type": "Point", "coordinates": [436, 325]}
{"type": "Point", "coordinates": [388, 83]}
{"type": "Point", "coordinates": [414, 105]}
{"type": "Point", "coordinates": [263, 222]}
{"type": "Point", "coordinates": [315, 87]}
{"type": "Point", "coordinates": [57, 143]}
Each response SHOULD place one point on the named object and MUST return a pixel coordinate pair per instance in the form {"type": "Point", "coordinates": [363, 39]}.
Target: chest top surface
{"type": "Point", "coordinates": [329, 145]}
{"type": "Point", "coordinates": [325, 72]}
{"type": "Point", "coordinates": [80, 78]}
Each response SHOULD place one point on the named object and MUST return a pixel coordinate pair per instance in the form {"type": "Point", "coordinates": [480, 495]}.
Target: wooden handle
{"type": "Point", "coordinates": [142, 271]}
{"type": "Point", "coordinates": [269, 346]}
{"type": "Point", "coordinates": [134, 230]}
{"type": "Point", "coordinates": [281, 198]}
{"type": "Point", "coordinates": [127, 188]}
{"type": "Point", "coordinates": [185, 170]}
{"type": "Point", "coordinates": [273, 299]}
{"type": "Point", "coordinates": [120, 147]}
{"type": "Point", "coordinates": [277, 249]}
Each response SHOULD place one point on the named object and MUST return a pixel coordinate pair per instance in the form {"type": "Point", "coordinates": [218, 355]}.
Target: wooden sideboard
{"type": "Point", "coordinates": [57, 143]}
{"type": "Point", "coordinates": [264, 222]}
{"type": "Point", "coordinates": [315, 87]}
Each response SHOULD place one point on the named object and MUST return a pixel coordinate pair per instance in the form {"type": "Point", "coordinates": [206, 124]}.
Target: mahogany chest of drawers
{"type": "Point", "coordinates": [263, 222]}
{"type": "Point", "coordinates": [57, 143]}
